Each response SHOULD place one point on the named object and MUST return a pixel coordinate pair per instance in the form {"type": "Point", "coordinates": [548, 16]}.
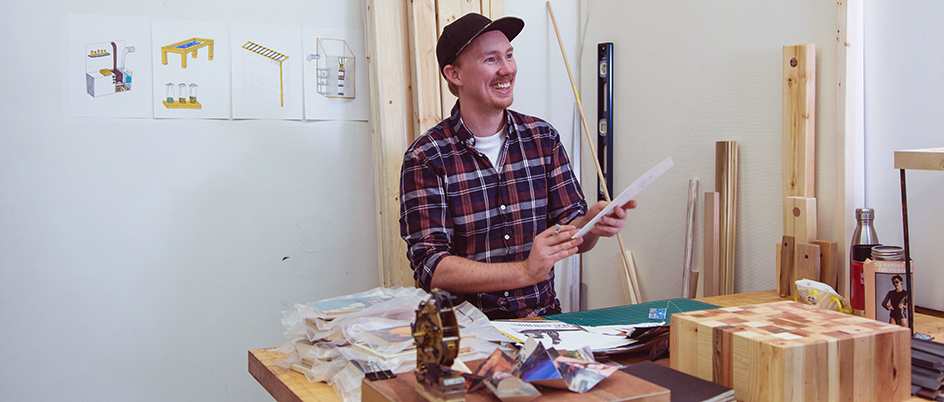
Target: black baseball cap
{"type": "Point", "coordinates": [459, 34]}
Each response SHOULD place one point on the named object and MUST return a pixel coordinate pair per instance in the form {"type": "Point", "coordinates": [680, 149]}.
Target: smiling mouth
{"type": "Point", "coordinates": [502, 85]}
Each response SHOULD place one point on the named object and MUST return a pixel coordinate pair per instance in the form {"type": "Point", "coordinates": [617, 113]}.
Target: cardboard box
{"type": "Point", "coordinates": [883, 302]}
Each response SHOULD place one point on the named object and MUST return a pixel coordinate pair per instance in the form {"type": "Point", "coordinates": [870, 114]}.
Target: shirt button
{"type": "Point", "coordinates": [507, 237]}
{"type": "Point", "coordinates": [506, 293]}
{"type": "Point", "coordinates": [502, 207]}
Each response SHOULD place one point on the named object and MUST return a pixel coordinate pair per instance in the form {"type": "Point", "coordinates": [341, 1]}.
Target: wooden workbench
{"type": "Point", "coordinates": [288, 386]}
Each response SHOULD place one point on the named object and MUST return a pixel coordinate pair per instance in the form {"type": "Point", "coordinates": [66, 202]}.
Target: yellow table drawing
{"type": "Point", "coordinates": [186, 46]}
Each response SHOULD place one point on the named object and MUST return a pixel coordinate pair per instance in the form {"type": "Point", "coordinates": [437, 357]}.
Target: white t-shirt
{"type": "Point", "coordinates": [491, 146]}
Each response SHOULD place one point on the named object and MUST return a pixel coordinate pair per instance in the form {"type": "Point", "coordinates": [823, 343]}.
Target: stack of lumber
{"type": "Point", "coordinates": [927, 369]}
{"type": "Point", "coordinates": [801, 254]}
{"type": "Point", "coordinates": [789, 351]}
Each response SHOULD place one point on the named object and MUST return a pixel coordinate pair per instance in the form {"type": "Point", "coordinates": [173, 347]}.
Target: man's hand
{"type": "Point", "coordinates": [550, 246]}
{"type": "Point", "coordinates": [609, 225]}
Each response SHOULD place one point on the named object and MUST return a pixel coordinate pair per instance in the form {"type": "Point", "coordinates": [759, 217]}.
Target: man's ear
{"type": "Point", "coordinates": [452, 75]}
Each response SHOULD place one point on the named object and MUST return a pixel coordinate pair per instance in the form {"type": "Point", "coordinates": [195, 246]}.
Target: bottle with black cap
{"type": "Point", "coordinates": [863, 239]}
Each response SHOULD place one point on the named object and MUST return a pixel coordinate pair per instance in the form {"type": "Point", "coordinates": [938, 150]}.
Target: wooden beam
{"type": "Point", "coordinates": [470, 6]}
{"type": "Point", "coordinates": [447, 12]}
{"type": "Point", "coordinates": [726, 163]}
{"type": "Point", "coordinates": [391, 112]}
{"type": "Point", "coordinates": [799, 109]}
{"type": "Point", "coordinates": [427, 95]}
{"type": "Point", "coordinates": [496, 8]}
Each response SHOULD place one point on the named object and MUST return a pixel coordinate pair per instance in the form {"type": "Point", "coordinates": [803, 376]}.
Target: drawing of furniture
{"type": "Point", "coordinates": [271, 55]}
{"type": "Point", "coordinates": [186, 46]}
{"type": "Point", "coordinates": [335, 69]}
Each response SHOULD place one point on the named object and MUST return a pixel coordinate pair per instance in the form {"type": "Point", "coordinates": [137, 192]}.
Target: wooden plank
{"type": "Point", "coordinates": [693, 285]}
{"type": "Point", "coordinates": [427, 98]}
{"type": "Point", "coordinates": [712, 254]}
{"type": "Point", "coordinates": [829, 262]}
{"type": "Point", "coordinates": [799, 218]}
{"type": "Point", "coordinates": [726, 161]}
{"type": "Point", "coordinates": [470, 6]}
{"type": "Point", "coordinates": [497, 8]}
{"type": "Point", "coordinates": [447, 12]}
{"type": "Point", "coordinates": [807, 261]}
{"type": "Point", "coordinates": [921, 159]}
{"type": "Point", "coordinates": [391, 112]}
{"type": "Point", "coordinates": [787, 273]}
{"type": "Point", "coordinates": [689, 237]}
{"type": "Point", "coordinates": [799, 116]}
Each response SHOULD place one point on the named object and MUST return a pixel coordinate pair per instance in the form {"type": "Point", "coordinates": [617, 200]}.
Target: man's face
{"type": "Point", "coordinates": [486, 72]}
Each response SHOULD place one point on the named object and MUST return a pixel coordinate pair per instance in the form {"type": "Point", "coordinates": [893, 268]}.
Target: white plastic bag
{"type": "Point", "coordinates": [821, 295]}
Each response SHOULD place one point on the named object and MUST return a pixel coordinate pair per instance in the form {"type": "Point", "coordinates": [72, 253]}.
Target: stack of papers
{"type": "Point", "coordinates": [563, 336]}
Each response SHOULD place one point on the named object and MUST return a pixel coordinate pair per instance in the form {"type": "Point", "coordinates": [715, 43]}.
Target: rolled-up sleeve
{"type": "Point", "coordinates": [425, 221]}
{"type": "Point", "coordinates": [565, 197]}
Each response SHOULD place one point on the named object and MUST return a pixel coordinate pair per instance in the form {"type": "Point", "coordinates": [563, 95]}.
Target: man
{"type": "Point", "coordinates": [488, 199]}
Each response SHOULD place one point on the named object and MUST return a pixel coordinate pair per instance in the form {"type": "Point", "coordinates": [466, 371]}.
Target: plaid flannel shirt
{"type": "Point", "coordinates": [453, 201]}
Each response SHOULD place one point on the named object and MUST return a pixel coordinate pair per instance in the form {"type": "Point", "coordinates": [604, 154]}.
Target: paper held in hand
{"type": "Point", "coordinates": [640, 184]}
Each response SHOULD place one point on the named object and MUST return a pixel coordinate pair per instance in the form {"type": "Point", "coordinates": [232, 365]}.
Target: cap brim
{"type": "Point", "coordinates": [510, 26]}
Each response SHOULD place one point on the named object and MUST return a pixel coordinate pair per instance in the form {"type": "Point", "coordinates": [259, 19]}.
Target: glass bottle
{"type": "Point", "coordinates": [865, 236]}
{"type": "Point", "coordinates": [170, 92]}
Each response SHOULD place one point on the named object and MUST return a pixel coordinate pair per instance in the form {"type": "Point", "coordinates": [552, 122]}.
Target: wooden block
{"type": "Point", "coordinates": [799, 106]}
{"type": "Point", "coordinates": [788, 351]}
{"type": "Point", "coordinates": [829, 262]}
{"type": "Point", "coordinates": [617, 387]}
{"type": "Point", "coordinates": [787, 267]}
{"type": "Point", "coordinates": [712, 244]}
{"type": "Point", "coordinates": [807, 262]}
{"type": "Point", "coordinates": [799, 218]}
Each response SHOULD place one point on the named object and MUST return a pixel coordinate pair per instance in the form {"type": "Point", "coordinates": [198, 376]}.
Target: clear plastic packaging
{"type": "Point", "coordinates": [821, 295]}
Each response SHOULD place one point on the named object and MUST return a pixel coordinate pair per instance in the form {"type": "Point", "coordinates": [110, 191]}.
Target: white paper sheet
{"type": "Point", "coordinates": [640, 184]}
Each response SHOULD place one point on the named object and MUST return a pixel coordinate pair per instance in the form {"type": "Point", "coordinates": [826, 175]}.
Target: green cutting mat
{"type": "Point", "coordinates": [630, 314]}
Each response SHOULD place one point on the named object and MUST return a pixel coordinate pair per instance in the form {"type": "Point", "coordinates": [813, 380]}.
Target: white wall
{"type": "Point", "coordinates": [904, 109]}
{"type": "Point", "coordinates": [141, 259]}
{"type": "Point", "coordinates": [689, 73]}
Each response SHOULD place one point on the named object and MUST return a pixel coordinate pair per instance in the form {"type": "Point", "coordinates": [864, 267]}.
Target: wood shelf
{"type": "Point", "coordinates": [920, 159]}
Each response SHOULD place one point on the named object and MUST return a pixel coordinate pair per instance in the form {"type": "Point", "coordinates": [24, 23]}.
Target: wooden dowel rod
{"type": "Point", "coordinates": [627, 265]}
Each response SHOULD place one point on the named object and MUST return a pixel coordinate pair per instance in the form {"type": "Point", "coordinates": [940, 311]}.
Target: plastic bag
{"type": "Point", "coordinates": [821, 295]}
